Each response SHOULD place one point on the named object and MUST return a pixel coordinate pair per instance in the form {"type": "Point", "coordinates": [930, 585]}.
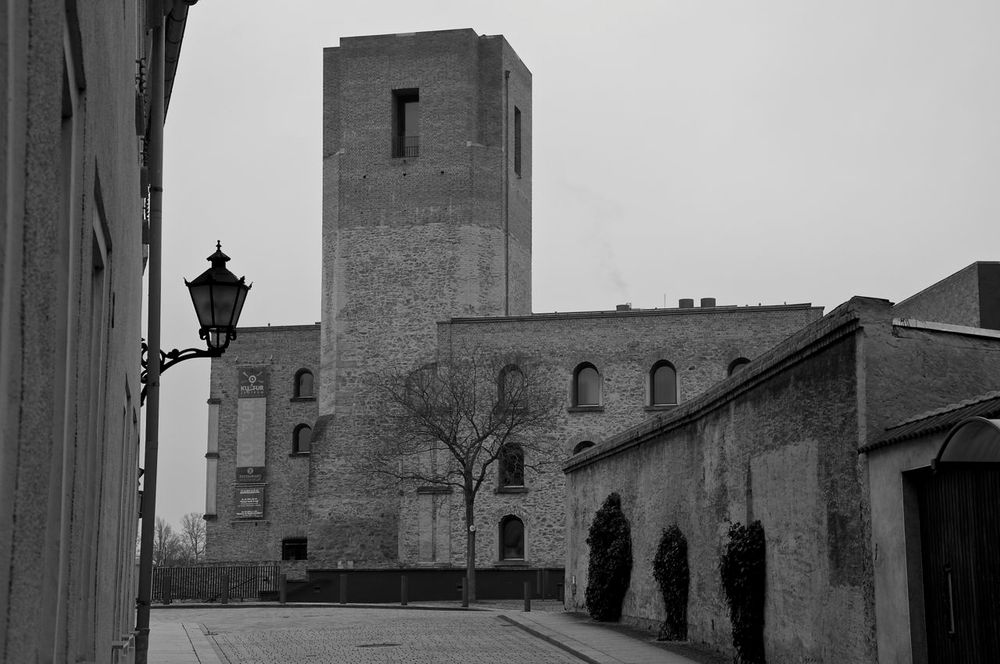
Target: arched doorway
{"type": "Point", "coordinates": [959, 502]}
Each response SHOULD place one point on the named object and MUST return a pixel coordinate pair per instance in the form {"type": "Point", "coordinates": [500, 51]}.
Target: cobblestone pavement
{"type": "Point", "coordinates": [368, 636]}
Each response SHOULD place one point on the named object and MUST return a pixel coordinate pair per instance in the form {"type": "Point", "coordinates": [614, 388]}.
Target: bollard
{"type": "Point", "coordinates": [402, 590]}
{"type": "Point", "coordinates": [282, 588]}
{"type": "Point", "coordinates": [225, 589]}
{"type": "Point", "coordinates": [527, 596]}
{"type": "Point", "coordinates": [343, 589]}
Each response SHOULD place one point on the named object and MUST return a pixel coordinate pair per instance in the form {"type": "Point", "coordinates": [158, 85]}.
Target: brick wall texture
{"type": "Point", "coordinates": [284, 351]}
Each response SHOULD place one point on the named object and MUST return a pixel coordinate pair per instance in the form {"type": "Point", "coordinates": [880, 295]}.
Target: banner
{"type": "Point", "coordinates": [251, 424]}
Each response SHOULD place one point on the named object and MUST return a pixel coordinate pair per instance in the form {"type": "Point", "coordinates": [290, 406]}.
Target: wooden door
{"type": "Point", "coordinates": [960, 544]}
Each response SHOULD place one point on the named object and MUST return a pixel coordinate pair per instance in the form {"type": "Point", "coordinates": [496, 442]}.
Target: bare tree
{"type": "Point", "coordinates": [458, 417]}
{"type": "Point", "coordinates": [193, 536]}
{"type": "Point", "coordinates": [166, 544]}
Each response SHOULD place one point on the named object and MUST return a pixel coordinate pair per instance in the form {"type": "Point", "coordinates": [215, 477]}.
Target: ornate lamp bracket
{"type": "Point", "coordinates": [171, 358]}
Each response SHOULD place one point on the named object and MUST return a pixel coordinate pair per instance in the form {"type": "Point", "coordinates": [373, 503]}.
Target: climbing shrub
{"type": "Point", "coordinates": [670, 569]}
{"type": "Point", "coordinates": [742, 568]}
{"type": "Point", "coordinates": [610, 566]}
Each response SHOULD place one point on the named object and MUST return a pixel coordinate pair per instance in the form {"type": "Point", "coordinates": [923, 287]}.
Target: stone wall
{"type": "Point", "coordinates": [624, 346]}
{"type": "Point", "coordinates": [284, 351]}
{"type": "Point", "coordinates": [778, 443]}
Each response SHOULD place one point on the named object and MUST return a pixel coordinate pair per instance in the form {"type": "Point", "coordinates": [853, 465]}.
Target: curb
{"type": "Point", "coordinates": [549, 638]}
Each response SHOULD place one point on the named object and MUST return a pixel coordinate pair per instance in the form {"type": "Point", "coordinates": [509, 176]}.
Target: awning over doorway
{"type": "Point", "coordinates": [973, 440]}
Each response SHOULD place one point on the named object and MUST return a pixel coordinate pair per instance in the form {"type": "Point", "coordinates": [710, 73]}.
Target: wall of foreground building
{"type": "Point", "coordinates": [71, 263]}
{"type": "Point", "coordinates": [778, 442]}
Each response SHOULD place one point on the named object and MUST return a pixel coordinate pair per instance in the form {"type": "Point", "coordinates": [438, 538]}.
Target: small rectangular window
{"type": "Point", "coordinates": [294, 549]}
{"type": "Point", "coordinates": [517, 140]}
{"type": "Point", "coordinates": [405, 123]}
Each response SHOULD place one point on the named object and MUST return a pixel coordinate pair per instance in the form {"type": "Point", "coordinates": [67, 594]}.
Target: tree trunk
{"type": "Point", "coordinates": [470, 544]}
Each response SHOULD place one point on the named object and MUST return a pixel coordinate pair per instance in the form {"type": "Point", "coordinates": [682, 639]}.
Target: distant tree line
{"type": "Point", "coordinates": [183, 546]}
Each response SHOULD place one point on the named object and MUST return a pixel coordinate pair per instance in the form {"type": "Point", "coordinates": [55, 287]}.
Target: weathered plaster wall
{"type": "Point", "coordinates": [69, 329]}
{"type": "Point", "coordinates": [776, 443]}
{"type": "Point", "coordinates": [954, 299]}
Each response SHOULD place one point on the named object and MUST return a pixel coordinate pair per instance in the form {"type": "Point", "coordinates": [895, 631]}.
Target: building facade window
{"type": "Point", "coordinates": [511, 538]}
{"type": "Point", "coordinates": [517, 140]}
{"type": "Point", "coordinates": [511, 465]}
{"type": "Point", "coordinates": [294, 548]}
{"type": "Point", "coordinates": [586, 385]}
{"type": "Point", "coordinates": [509, 382]}
{"type": "Point", "coordinates": [582, 445]}
{"type": "Point", "coordinates": [406, 123]}
{"type": "Point", "coordinates": [663, 384]}
{"type": "Point", "coordinates": [737, 365]}
{"type": "Point", "coordinates": [302, 439]}
{"type": "Point", "coordinates": [304, 384]}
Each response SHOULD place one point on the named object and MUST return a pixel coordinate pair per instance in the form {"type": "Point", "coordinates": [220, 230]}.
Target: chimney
{"type": "Point", "coordinates": [708, 302]}
{"type": "Point", "coordinates": [686, 303]}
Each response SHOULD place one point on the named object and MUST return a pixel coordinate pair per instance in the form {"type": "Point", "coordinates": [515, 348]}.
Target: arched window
{"type": "Point", "coordinates": [302, 439]}
{"type": "Point", "coordinates": [509, 383]}
{"type": "Point", "coordinates": [511, 538]}
{"type": "Point", "coordinates": [511, 465]}
{"type": "Point", "coordinates": [662, 384]}
{"type": "Point", "coordinates": [304, 384]}
{"type": "Point", "coordinates": [586, 385]}
{"type": "Point", "coordinates": [582, 445]}
{"type": "Point", "coordinates": [738, 364]}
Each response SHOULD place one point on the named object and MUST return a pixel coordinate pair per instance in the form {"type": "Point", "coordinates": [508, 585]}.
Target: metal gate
{"type": "Point", "coordinates": [960, 544]}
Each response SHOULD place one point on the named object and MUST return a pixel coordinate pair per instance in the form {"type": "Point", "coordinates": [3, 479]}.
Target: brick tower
{"type": "Point", "coordinates": [426, 215]}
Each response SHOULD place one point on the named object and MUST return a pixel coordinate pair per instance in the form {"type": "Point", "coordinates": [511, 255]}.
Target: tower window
{"type": "Point", "coordinates": [517, 140]}
{"type": "Point", "coordinates": [405, 123]}
{"type": "Point", "coordinates": [663, 384]}
{"type": "Point", "coordinates": [511, 465]}
{"type": "Point", "coordinates": [511, 538]}
{"type": "Point", "coordinates": [586, 386]}
{"type": "Point", "coordinates": [302, 439]}
{"type": "Point", "coordinates": [304, 384]}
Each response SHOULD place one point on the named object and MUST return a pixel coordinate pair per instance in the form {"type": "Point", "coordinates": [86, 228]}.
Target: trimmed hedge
{"type": "Point", "coordinates": [610, 567]}
{"type": "Point", "coordinates": [743, 570]}
{"type": "Point", "coordinates": [670, 569]}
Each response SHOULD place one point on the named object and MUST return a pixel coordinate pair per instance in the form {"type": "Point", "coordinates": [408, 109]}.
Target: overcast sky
{"type": "Point", "coordinates": [755, 152]}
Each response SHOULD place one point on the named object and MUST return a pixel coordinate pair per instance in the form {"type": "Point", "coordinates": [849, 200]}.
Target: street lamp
{"type": "Point", "coordinates": [218, 297]}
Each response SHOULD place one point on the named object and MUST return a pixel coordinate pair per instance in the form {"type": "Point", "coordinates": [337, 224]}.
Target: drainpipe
{"type": "Point", "coordinates": [157, 111]}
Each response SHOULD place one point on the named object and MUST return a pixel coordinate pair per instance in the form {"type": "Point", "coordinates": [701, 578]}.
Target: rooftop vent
{"type": "Point", "coordinates": [686, 303]}
{"type": "Point", "coordinates": [708, 301]}
{"type": "Point", "coordinates": [624, 307]}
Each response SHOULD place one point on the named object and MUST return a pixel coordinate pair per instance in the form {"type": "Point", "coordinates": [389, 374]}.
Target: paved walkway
{"type": "Point", "coordinates": [323, 633]}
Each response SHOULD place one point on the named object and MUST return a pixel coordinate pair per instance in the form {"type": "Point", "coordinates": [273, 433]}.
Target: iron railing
{"type": "Point", "coordinates": [405, 146]}
{"type": "Point", "coordinates": [213, 584]}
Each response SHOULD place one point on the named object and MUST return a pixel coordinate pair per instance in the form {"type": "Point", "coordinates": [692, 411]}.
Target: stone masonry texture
{"type": "Point", "coordinates": [408, 242]}
{"type": "Point", "coordinates": [284, 351]}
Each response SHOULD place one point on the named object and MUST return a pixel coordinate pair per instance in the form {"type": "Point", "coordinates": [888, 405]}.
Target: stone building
{"type": "Point", "coordinates": [72, 254]}
{"type": "Point", "coordinates": [427, 252]}
{"type": "Point", "coordinates": [828, 439]}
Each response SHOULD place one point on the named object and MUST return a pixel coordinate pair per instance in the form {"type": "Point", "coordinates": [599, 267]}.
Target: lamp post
{"type": "Point", "coordinates": [218, 297]}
